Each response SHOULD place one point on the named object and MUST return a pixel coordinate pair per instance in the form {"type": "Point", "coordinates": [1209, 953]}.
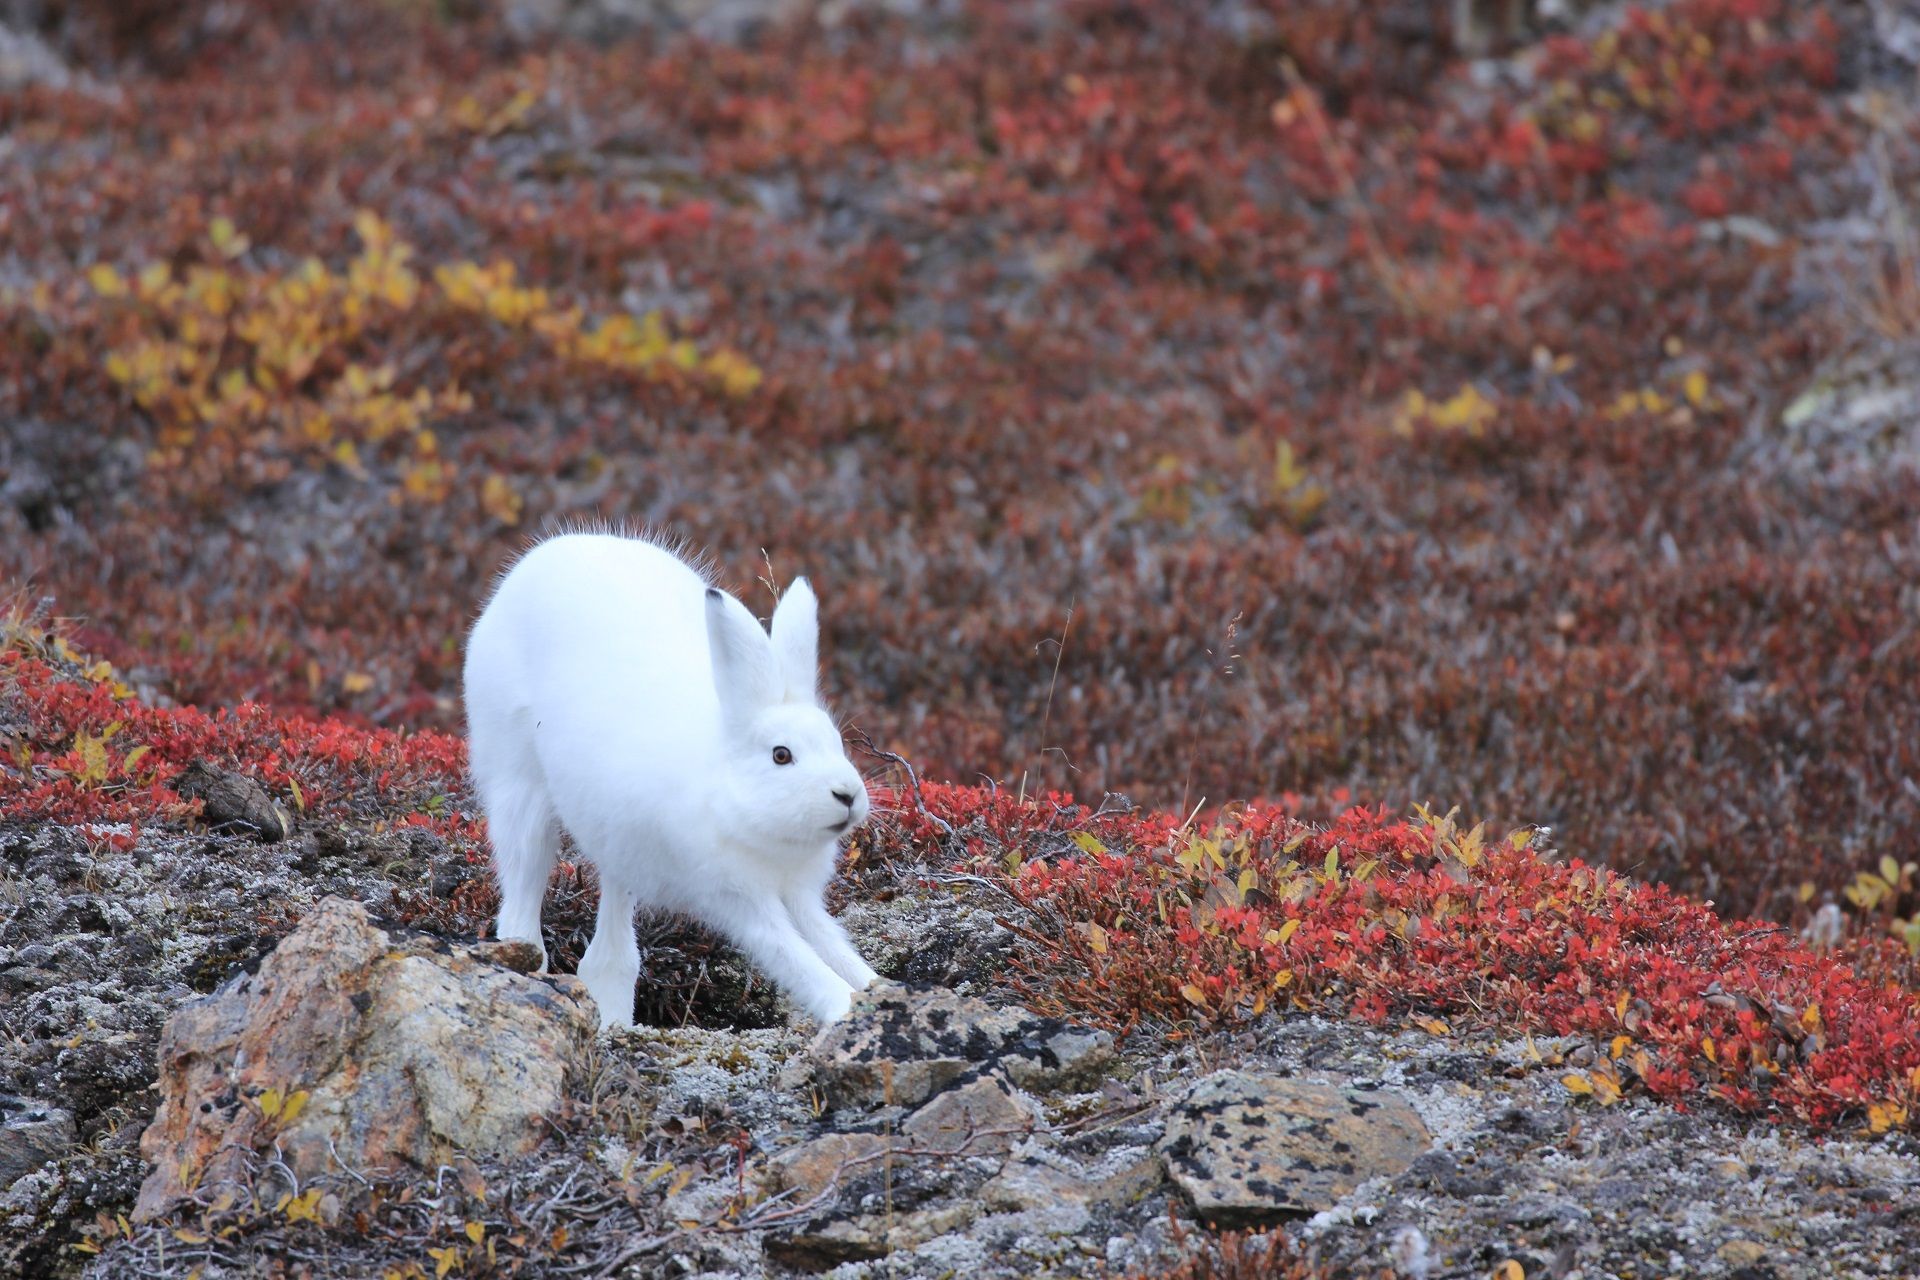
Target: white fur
{"type": "Point", "coordinates": [613, 693]}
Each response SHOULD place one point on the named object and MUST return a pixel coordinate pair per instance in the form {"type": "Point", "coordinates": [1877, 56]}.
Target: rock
{"type": "Point", "coordinates": [1742, 1253]}
{"type": "Point", "coordinates": [973, 1119]}
{"type": "Point", "coordinates": [406, 1049]}
{"type": "Point", "coordinates": [232, 802]}
{"type": "Point", "coordinates": [812, 1167]}
{"type": "Point", "coordinates": [1440, 1171]}
{"type": "Point", "coordinates": [1249, 1148]}
{"type": "Point", "coordinates": [900, 1047]}
{"type": "Point", "coordinates": [510, 953]}
{"type": "Point", "coordinates": [1033, 1180]}
{"type": "Point", "coordinates": [864, 1239]}
{"type": "Point", "coordinates": [983, 1117]}
{"type": "Point", "coordinates": [31, 1133]}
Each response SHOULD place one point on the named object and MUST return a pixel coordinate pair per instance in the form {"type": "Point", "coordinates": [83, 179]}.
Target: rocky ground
{"type": "Point", "coordinates": [940, 1131]}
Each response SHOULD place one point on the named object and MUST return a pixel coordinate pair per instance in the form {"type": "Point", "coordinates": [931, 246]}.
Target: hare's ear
{"type": "Point", "coordinates": [743, 669]}
{"type": "Point", "coordinates": [796, 642]}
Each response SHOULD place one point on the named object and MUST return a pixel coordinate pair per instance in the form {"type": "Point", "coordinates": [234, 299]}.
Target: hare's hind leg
{"type": "Point", "coordinates": [522, 828]}
{"type": "Point", "coordinates": [611, 963]}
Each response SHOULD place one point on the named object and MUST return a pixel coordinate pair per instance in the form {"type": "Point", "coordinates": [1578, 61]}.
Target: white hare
{"type": "Point", "coordinates": [613, 691]}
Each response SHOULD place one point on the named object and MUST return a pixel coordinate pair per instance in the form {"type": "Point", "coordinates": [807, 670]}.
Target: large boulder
{"type": "Point", "coordinates": [354, 1047]}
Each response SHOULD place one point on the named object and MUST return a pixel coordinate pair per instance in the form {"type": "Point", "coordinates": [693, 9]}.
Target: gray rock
{"type": "Point", "coordinates": [900, 1047]}
{"type": "Point", "coordinates": [812, 1167]}
{"type": "Point", "coordinates": [982, 1117]}
{"type": "Point", "coordinates": [1041, 1180]}
{"type": "Point", "coordinates": [32, 1132]}
{"type": "Point", "coordinates": [1250, 1148]}
{"type": "Point", "coordinates": [873, 1236]}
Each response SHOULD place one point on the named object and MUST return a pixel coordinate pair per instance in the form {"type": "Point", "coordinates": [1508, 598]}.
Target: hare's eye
{"type": "Point", "coordinates": [782, 756]}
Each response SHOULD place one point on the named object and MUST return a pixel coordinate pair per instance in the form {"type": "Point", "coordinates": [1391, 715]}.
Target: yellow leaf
{"type": "Point", "coordinates": [1097, 939]}
{"type": "Point", "coordinates": [1694, 387]}
{"type": "Point", "coordinates": [1619, 1046]}
{"type": "Point", "coordinates": [299, 796]}
{"type": "Point", "coordinates": [1194, 995]}
{"type": "Point", "coordinates": [292, 1107]}
{"type": "Point", "coordinates": [1088, 842]}
{"type": "Point", "coordinates": [1433, 1026]}
{"type": "Point", "coordinates": [133, 757]}
{"type": "Point", "coordinates": [1620, 1006]}
{"type": "Point", "coordinates": [184, 1236]}
{"type": "Point", "coordinates": [1889, 870]}
{"type": "Point", "coordinates": [1249, 881]}
{"type": "Point", "coordinates": [1577, 1083]}
{"type": "Point", "coordinates": [443, 1260]}
{"type": "Point", "coordinates": [558, 1240]}
{"type": "Point", "coordinates": [476, 1231]}
{"type": "Point", "coordinates": [1509, 1270]}
{"type": "Point", "coordinates": [92, 750]}
{"type": "Point", "coordinates": [680, 1181]}
{"type": "Point", "coordinates": [226, 238]}
{"type": "Point", "coordinates": [270, 1103]}
{"type": "Point", "coordinates": [356, 682]}
{"type": "Point", "coordinates": [1810, 1018]}
{"type": "Point", "coordinates": [106, 281]}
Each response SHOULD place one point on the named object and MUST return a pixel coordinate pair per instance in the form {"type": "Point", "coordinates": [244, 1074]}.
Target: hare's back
{"type": "Point", "coordinates": [612, 638]}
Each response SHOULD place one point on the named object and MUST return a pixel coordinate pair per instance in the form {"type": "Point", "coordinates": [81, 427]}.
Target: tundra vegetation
{"type": "Point", "coordinates": [1341, 529]}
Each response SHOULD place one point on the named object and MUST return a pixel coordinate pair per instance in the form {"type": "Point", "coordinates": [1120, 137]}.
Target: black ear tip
{"type": "Point", "coordinates": [713, 593]}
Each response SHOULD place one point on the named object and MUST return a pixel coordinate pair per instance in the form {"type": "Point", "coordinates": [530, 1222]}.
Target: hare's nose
{"type": "Point", "coordinates": [844, 797]}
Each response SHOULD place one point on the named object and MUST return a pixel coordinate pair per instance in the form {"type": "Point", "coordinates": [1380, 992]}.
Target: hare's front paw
{"type": "Point", "coordinates": [830, 1005]}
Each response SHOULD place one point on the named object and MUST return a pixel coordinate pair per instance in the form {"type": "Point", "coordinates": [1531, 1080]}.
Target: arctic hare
{"type": "Point", "coordinates": [614, 691]}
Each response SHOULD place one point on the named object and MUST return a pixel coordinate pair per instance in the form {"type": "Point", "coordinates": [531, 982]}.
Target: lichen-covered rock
{"type": "Point", "coordinates": [980, 1117]}
{"type": "Point", "coordinates": [1253, 1148]}
{"type": "Point", "coordinates": [1043, 1178]}
{"type": "Point", "coordinates": [351, 1047]}
{"type": "Point", "coordinates": [900, 1047]}
{"type": "Point", "coordinates": [812, 1167]}
{"type": "Point", "coordinates": [32, 1132]}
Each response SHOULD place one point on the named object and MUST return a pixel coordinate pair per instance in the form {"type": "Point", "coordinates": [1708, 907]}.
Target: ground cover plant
{"type": "Point", "coordinates": [1135, 918]}
{"type": "Point", "coordinates": [1339, 528]}
{"type": "Point", "coordinates": [1170, 405]}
